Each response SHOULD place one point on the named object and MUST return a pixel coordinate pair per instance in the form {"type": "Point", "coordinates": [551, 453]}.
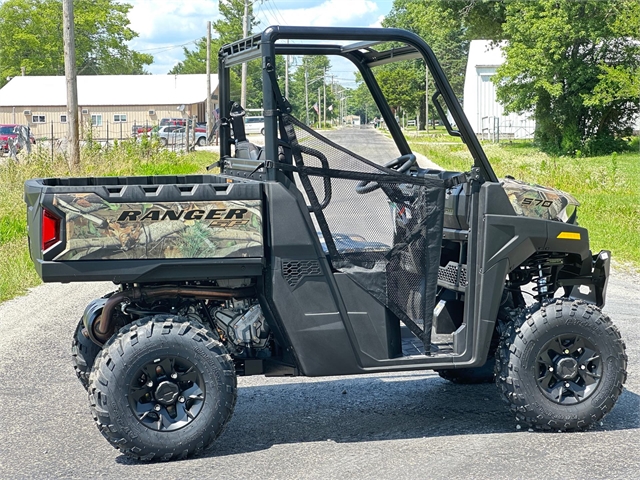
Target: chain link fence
{"type": "Point", "coordinates": [53, 136]}
{"type": "Point", "coordinates": [496, 129]}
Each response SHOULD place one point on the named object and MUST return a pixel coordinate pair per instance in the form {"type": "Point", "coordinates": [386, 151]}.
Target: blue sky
{"type": "Point", "coordinates": [164, 27]}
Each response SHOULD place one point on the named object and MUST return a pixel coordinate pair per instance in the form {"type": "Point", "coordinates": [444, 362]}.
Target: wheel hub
{"type": "Point", "coordinates": [167, 393]}
{"type": "Point", "coordinates": [566, 368]}
{"type": "Point", "coordinates": [569, 369]}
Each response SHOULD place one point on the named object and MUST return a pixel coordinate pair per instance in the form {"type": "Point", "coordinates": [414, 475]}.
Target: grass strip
{"type": "Point", "coordinates": [127, 158]}
{"type": "Point", "coordinates": [606, 186]}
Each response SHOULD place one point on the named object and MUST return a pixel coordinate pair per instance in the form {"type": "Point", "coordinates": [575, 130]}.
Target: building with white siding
{"type": "Point", "coordinates": [481, 106]}
{"type": "Point", "coordinates": [108, 105]}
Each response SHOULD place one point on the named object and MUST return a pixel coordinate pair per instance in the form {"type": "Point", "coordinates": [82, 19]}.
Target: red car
{"type": "Point", "coordinates": [12, 131]}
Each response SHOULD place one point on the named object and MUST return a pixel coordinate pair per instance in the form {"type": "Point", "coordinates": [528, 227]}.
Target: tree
{"type": "Point", "coordinates": [440, 26]}
{"type": "Point", "coordinates": [195, 61]}
{"type": "Point", "coordinates": [361, 102]}
{"type": "Point", "coordinates": [315, 67]}
{"type": "Point", "coordinates": [576, 65]}
{"type": "Point", "coordinates": [229, 30]}
{"type": "Point", "coordinates": [31, 37]}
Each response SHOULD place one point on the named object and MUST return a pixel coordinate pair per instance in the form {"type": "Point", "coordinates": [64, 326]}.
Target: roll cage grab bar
{"type": "Point", "coordinates": [363, 56]}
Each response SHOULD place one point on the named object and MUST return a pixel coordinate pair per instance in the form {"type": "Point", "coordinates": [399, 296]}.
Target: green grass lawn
{"type": "Point", "coordinates": [606, 187]}
{"type": "Point", "coordinates": [128, 158]}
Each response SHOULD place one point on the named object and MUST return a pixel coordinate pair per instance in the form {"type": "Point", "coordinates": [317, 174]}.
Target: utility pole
{"type": "Point", "coordinates": [245, 32]}
{"type": "Point", "coordinates": [209, 126]}
{"type": "Point", "coordinates": [319, 115]}
{"type": "Point", "coordinates": [286, 76]}
{"type": "Point", "coordinates": [306, 92]}
{"type": "Point", "coordinates": [72, 84]}
{"type": "Point", "coordinates": [324, 86]}
{"type": "Point", "coordinates": [426, 104]}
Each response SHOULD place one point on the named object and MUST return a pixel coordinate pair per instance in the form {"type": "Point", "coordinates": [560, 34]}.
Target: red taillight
{"type": "Point", "coordinates": [50, 229]}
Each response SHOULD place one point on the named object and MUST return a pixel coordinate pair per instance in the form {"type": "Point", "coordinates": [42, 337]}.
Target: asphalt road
{"type": "Point", "coordinates": [409, 425]}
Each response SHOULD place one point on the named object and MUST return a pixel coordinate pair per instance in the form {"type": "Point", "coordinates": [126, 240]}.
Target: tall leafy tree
{"type": "Point", "coordinates": [31, 37]}
{"type": "Point", "coordinates": [228, 29]}
{"type": "Point", "coordinates": [577, 66]}
{"type": "Point", "coordinates": [440, 26]}
{"type": "Point", "coordinates": [311, 72]}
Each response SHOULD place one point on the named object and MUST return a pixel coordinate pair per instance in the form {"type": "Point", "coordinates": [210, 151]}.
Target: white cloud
{"type": "Point", "coordinates": [164, 26]}
{"type": "Point", "coordinates": [378, 22]}
{"type": "Point", "coordinates": [329, 13]}
{"type": "Point", "coordinates": [171, 21]}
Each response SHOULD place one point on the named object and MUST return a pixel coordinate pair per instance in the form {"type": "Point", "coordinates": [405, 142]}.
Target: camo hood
{"type": "Point", "coordinates": [536, 201]}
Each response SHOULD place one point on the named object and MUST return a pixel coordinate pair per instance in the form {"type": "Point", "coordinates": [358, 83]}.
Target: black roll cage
{"type": "Point", "coordinates": [363, 56]}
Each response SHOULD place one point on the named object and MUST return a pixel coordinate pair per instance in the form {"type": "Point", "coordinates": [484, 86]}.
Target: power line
{"type": "Point", "coordinates": [168, 47]}
{"type": "Point", "coordinates": [277, 15]}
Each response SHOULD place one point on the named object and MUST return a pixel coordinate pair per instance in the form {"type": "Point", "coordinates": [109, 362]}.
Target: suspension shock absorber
{"type": "Point", "coordinates": [542, 278]}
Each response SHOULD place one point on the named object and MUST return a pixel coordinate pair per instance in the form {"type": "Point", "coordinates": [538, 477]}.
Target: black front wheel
{"type": "Point", "coordinates": [561, 365]}
{"type": "Point", "coordinates": [163, 388]}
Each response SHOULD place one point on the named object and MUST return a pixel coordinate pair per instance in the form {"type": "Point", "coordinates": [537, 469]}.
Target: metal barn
{"type": "Point", "coordinates": [481, 107]}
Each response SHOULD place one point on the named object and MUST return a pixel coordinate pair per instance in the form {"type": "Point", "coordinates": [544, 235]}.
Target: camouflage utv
{"type": "Point", "coordinates": [303, 257]}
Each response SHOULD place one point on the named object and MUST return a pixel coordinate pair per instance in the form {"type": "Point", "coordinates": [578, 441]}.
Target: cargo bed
{"type": "Point", "coordinates": [145, 229]}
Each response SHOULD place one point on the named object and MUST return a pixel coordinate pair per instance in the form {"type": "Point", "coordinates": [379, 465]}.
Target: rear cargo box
{"type": "Point", "coordinates": [145, 229]}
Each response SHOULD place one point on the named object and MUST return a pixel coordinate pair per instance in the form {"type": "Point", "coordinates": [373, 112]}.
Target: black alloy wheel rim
{"type": "Point", "coordinates": [568, 369]}
{"type": "Point", "coordinates": [167, 394]}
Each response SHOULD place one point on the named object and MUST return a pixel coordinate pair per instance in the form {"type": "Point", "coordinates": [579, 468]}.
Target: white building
{"type": "Point", "coordinates": [481, 107]}
{"type": "Point", "coordinates": [108, 105]}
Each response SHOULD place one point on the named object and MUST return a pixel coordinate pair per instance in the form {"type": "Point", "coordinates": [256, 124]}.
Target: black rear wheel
{"type": "Point", "coordinates": [83, 354]}
{"type": "Point", "coordinates": [561, 365]}
{"type": "Point", "coordinates": [170, 386]}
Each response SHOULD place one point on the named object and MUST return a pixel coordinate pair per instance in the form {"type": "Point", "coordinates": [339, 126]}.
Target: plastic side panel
{"type": "Point", "coordinates": [314, 326]}
{"type": "Point", "coordinates": [300, 291]}
{"type": "Point", "coordinates": [147, 229]}
{"type": "Point", "coordinates": [377, 330]}
{"type": "Point", "coordinates": [143, 271]}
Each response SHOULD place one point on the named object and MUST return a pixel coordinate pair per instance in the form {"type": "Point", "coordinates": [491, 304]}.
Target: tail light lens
{"type": "Point", "coordinates": [50, 229]}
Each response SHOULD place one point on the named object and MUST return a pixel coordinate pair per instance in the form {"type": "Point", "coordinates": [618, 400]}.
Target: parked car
{"type": "Point", "coordinates": [182, 122]}
{"type": "Point", "coordinates": [13, 132]}
{"type": "Point", "coordinates": [175, 135]}
{"type": "Point", "coordinates": [141, 129]}
{"type": "Point", "coordinates": [254, 125]}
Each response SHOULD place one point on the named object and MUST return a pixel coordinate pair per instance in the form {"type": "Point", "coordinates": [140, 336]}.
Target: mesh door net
{"type": "Point", "coordinates": [381, 227]}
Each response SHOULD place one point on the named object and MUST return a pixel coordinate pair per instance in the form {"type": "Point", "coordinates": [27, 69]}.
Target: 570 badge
{"type": "Point", "coordinates": [537, 202]}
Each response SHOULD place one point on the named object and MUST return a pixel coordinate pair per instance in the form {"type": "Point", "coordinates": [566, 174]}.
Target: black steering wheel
{"type": "Point", "coordinates": [402, 164]}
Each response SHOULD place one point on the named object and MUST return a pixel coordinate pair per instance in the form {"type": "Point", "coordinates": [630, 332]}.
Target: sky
{"type": "Point", "coordinates": [165, 27]}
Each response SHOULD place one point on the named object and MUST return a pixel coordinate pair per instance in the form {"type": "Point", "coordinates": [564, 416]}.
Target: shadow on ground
{"type": "Point", "coordinates": [363, 409]}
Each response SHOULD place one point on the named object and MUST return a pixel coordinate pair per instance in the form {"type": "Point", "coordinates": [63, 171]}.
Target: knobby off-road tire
{"type": "Point", "coordinates": [561, 366]}
{"type": "Point", "coordinates": [162, 388]}
{"type": "Point", "coordinates": [83, 355]}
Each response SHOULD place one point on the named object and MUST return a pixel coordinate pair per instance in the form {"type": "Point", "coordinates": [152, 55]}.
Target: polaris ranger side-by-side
{"type": "Point", "coordinates": [304, 258]}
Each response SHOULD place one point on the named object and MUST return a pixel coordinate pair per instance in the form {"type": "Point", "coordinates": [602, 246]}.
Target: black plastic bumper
{"type": "Point", "coordinates": [601, 264]}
